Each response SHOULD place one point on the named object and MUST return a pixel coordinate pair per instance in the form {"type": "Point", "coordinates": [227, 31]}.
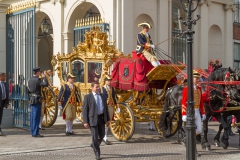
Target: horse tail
{"type": "Point", "coordinates": [163, 118]}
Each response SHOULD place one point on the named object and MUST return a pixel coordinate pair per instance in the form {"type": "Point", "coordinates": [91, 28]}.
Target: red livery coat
{"type": "Point", "coordinates": [184, 101]}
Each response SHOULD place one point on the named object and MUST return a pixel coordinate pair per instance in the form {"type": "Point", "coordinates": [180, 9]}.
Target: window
{"type": "Point", "coordinates": [237, 12]}
{"type": "Point", "coordinates": [178, 43]}
{"type": "Point", "coordinates": [236, 55]}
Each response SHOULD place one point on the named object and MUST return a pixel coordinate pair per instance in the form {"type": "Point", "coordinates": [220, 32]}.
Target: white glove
{"type": "Point", "coordinates": [152, 46]}
{"type": "Point", "coordinates": [184, 118]}
{"type": "Point", "coordinates": [60, 107]}
{"type": "Point", "coordinates": [203, 117]}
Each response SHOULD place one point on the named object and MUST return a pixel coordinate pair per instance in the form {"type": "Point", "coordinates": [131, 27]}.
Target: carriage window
{"type": "Point", "coordinates": [94, 71]}
{"type": "Point", "coordinates": [65, 70]}
{"type": "Point", "coordinates": [78, 71]}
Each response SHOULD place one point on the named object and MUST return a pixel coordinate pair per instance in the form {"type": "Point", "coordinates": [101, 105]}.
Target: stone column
{"type": "Point", "coordinates": [163, 23]}
{"type": "Point", "coordinates": [58, 46]}
{"type": "Point", "coordinates": [3, 31]}
{"type": "Point", "coordinates": [127, 27]}
{"type": "Point", "coordinates": [118, 25]}
{"type": "Point", "coordinates": [228, 34]}
{"type": "Point", "coordinates": [37, 43]}
{"type": "Point", "coordinates": [203, 36]}
{"type": "Point", "coordinates": [67, 37]}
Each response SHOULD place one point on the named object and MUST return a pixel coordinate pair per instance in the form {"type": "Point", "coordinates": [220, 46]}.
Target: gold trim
{"type": "Point", "coordinates": [18, 6]}
{"type": "Point", "coordinates": [89, 21]}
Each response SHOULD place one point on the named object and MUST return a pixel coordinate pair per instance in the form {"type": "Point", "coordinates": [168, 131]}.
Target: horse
{"type": "Point", "coordinates": [173, 97]}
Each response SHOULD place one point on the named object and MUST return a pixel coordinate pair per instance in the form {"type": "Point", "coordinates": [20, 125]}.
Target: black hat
{"type": "Point", "coordinates": [107, 78]}
{"type": "Point", "coordinates": [37, 69]}
{"type": "Point", "coordinates": [70, 75]}
{"type": "Point", "coordinates": [145, 24]}
{"type": "Point", "coordinates": [185, 80]}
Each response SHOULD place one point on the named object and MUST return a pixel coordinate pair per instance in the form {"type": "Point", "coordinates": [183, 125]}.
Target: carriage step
{"type": "Point", "coordinates": [233, 108]}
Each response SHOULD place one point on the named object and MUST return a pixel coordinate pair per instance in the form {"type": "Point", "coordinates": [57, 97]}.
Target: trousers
{"type": "Point", "coordinates": [35, 118]}
{"type": "Point", "coordinates": [198, 121]}
{"type": "Point", "coordinates": [97, 133]}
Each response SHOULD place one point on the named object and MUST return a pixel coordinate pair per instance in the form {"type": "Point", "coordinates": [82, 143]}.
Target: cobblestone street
{"type": "Point", "coordinates": [145, 144]}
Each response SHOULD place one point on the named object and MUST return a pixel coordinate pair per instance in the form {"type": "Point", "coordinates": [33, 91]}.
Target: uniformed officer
{"type": "Point", "coordinates": [68, 99]}
{"type": "Point", "coordinates": [109, 93]}
{"type": "Point", "coordinates": [34, 87]}
{"type": "Point", "coordinates": [145, 45]}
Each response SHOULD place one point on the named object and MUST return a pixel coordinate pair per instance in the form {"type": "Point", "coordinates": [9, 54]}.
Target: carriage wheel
{"type": "Point", "coordinates": [174, 126]}
{"type": "Point", "coordinates": [123, 125]}
{"type": "Point", "coordinates": [79, 113]}
{"type": "Point", "coordinates": [50, 108]}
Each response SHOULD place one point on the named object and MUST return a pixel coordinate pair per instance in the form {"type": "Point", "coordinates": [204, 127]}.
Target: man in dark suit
{"type": "Point", "coordinates": [95, 116]}
{"type": "Point", "coordinates": [4, 101]}
{"type": "Point", "coordinates": [34, 87]}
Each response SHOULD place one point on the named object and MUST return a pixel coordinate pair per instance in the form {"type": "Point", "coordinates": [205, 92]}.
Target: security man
{"type": "Point", "coordinates": [34, 87]}
{"type": "Point", "coordinates": [145, 44]}
{"type": "Point", "coordinates": [68, 99]}
{"type": "Point", "coordinates": [110, 94]}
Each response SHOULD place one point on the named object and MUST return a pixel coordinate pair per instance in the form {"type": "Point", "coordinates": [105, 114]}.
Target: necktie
{"type": "Point", "coordinates": [98, 103]}
{"type": "Point", "coordinates": [3, 91]}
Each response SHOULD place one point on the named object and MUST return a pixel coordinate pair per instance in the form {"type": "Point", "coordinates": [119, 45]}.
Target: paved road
{"type": "Point", "coordinates": [145, 144]}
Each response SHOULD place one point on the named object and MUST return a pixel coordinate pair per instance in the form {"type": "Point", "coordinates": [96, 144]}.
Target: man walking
{"type": "Point", "coordinates": [34, 87]}
{"type": "Point", "coordinates": [95, 116]}
{"type": "Point", "coordinates": [4, 101]}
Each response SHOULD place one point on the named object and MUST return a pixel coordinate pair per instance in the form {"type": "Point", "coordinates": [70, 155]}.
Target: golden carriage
{"type": "Point", "coordinates": [92, 60]}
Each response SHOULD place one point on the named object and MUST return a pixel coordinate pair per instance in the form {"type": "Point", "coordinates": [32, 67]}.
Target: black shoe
{"type": "Point", "coordinates": [67, 133]}
{"type": "Point", "coordinates": [151, 129]}
{"type": "Point", "coordinates": [71, 133]}
{"type": "Point", "coordinates": [41, 128]}
{"type": "Point", "coordinates": [1, 133]}
{"type": "Point", "coordinates": [107, 142]}
{"type": "Point", "coordinates": [237, 131]}
{"type": "Point", "coordinates": [38, 136]}
{"type": "Point", "coordinates": [199, 138]}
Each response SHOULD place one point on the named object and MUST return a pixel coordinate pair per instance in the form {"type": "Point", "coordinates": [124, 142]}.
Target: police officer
{"type": "Point", "coordinates": [34, 87]}
{"type": "Point", "coordinates": [145, 44]}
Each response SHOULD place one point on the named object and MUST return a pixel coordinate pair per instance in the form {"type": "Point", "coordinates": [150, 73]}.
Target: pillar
{"type": "Point", "coordinates": [203, 37]}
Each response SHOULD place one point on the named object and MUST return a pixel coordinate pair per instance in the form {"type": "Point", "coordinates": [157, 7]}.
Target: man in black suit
{"type": "Point", "coordinates": [95, 116]}
{"type": "Point", "coordinates": [4, 101]}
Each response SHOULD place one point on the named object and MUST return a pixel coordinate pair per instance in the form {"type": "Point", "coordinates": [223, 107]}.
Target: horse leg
{"type": "Point", "coordinates": [217, 137]}
{"type": "Point", "coordinates": [224, 139]}
{"type": "Point", "coordinates": [204, 142]}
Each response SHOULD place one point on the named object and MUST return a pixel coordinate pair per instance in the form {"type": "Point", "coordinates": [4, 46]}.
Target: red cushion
{"type": "Point", "coordinates": [147, 65]}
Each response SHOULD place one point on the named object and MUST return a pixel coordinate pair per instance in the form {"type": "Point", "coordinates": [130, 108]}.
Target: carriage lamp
{"type": "Point", "coordinates": [187, 6]}
{"type": "Point", "coordinates": [45, 27]}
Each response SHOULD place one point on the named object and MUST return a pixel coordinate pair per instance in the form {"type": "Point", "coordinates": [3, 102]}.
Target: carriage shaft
{"type": "Point", "coordinates": [233, 108]}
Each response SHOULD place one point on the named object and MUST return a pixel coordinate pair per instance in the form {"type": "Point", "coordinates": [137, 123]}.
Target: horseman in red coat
{"type": "Point", "coordinates": [198, 105]}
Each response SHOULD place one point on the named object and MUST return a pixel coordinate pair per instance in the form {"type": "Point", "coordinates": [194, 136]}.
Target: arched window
{"type": "Point", "coordinates": [179, 42]}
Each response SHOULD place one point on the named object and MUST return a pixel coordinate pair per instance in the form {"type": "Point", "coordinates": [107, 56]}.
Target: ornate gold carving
{"type": "Point", "coordinates": [89, 21]}
{"type": "Point", "coordinates": [18, 6]}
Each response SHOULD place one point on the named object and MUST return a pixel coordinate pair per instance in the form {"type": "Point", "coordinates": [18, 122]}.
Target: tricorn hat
{"type": "Point", "coordinates": [196, 74]}
{"type": "Point", "coordinates": [145, 24]}
{"type": "Point", "coordinates": [37, 69]}
{"type": "Point", "coordinates": [70, 75]}
{"type": "Point", "coordinates": [107, 78]}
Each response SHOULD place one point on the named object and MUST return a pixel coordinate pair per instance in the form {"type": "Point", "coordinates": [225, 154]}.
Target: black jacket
{"type": "Point", "coordinates": [34, 87]}
{"type": "Point", "coordinates": [90, 114]}
{"type": "Point", "coordinates": [7, 95]}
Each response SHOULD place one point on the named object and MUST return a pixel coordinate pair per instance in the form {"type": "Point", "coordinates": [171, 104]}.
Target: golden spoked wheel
{"type": "Point", "coordinates": [174, 125]}
{"type": "Point", "coordinates": [50, 108]}
{"type": "Point", "coordinates": [123, 125]}
{"type": "Point", "coordinates": [79, 113]}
